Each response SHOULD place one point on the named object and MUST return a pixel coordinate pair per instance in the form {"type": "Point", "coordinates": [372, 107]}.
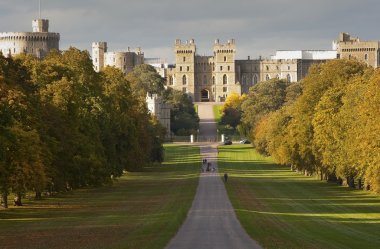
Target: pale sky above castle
{"type": "Point", "coordinates": [259, 26]}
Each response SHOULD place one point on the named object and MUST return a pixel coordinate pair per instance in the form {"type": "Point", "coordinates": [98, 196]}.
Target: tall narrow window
{"type": "Point", "coordinates": [267, 77]}
{"type": "Point", "coordinates": [180, 68]}
{"type": "Point", "coordinates": [228, 68]}
{"type": "Point", "coordinates": [255, 79]}
{"type": "Point", "coordinates": [184, 81]}
{"type": "Point", "coordinates": [170, 80]}
{"type": "Point", "coordinates": [366, 57]}
{"type": "Point", "coordinates": [213, 80]}
{"type": "Point", "coordinates": [184, 59]}
{"type": "Point", "coordinates": [225, 58]}
{"type": "Point", "coordinates": [288, 78]}
{"type": "Point", "coordinates": [224, 79]}
{"type": "Point", "coordinates": [188, 68]}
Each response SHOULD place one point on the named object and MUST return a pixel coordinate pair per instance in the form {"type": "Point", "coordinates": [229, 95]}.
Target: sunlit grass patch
{"type": "Point", "coordinates": [141, 210]}
{"type": "Point", "coordinates": [283, 209]}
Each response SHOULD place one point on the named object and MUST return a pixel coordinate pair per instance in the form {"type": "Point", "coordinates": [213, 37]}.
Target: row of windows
{"type": "Point", "coordinates": [204, 68]}
{"type": "Point", "coordinates": [24, 50]}
{"type": "Point", "coordinates": [29, 38]}
{"type": "Point", "coordinates": [184, 80]}
{"type": "Point", "coordinates": [180, 68]}
{"type": "Point", "coordinates": [358, 49]}
{"type": "Point", "coordinates": [351, 57]}
{"type": "Point", "coordinates": [184, 51]}
{"type": "Point", "coordinates": [288, 77]}
{"type": "Point", "coordinates": [225, 51]}
{"type": "Point", "coordinates": [277, 68]}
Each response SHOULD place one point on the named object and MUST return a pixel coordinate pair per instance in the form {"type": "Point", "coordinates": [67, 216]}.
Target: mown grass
{"type": "Point", "coordinates": [141, 210]}
{"type": "Point", "coordinates": [282, 209]}
{"type": "Point", "coordinates": [217, 112]}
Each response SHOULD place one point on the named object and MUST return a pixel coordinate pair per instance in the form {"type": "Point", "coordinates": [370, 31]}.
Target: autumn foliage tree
{"type": "Point", "coordinates": [332, 128]}
{"type": "Point", "coordinates": [65, 126]}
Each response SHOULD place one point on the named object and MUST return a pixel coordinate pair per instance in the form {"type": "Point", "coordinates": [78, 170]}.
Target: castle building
{"type": "Point", "coordinates": [38, 43]}
{"type": "Point", "coordinates": [160, 109]}
{"type": "Point", "coordinates": [204, 78]}
{"type": "Point", "coordinates": [213, 78]}
{"type": "Point", "coordinates": [353, 48]}
{"type": "Point", "coordinates": [124, 60]}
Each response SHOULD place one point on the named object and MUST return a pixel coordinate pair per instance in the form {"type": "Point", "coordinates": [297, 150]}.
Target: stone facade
{"type": "Point", "coordinates": [353, 48]}
{"type": "Point", "coordinates": [161, 110]}
{"type": "Point", "coordinates": [213, 78]}
{"type": "Point", "coordinates": [124, 60]}
{"type": "Point", "coordinates": [38, 43]}
{"type": "Point", "coordinates": [204, 78]}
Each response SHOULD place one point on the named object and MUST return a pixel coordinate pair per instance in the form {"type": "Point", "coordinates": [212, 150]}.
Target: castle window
{"type": "Point", "coordinates": [267, 67]}
{"type": "Point", "coordinates": [184, 80]}
{"type": "Point", "coordinates": [213, 89]}
{"type": "Point", "coordinates": [180, 69]}
{"type": "Point", "coordinates": [225, 89]}
{"type": "Point", "coordinates": [288, 67]}
{"type": "Point", "coordinates": [184, 59]}
{"type": "Point", "coordinates": [288, 78]}
{"type": "Point", "coordinates": [366, 57]}
{"type": "Point", "coordinates": [228, 68]}
{"type": "Point", "coordinates": [170, 80]}
{"type": "Point", "coordinates": [267, 77]}
{"type": "Point", "coordinates": [213, 80]}
{"type": "Point", "coordinates": [225, 79]}
{"type": "Point", "coordinates": [221, 68]}
{"type": "Point", "coordinates": [188, 68]}
{"type": "Point", "coordinates": [255, 79]}
{"type": "Point", "coordinates": [184, 89]}
{"type": "Point", "coordinates": [225, 58]}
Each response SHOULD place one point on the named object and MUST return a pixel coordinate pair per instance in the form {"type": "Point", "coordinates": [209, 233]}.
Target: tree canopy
{"type": "Point", "coordinates": [64, 126]}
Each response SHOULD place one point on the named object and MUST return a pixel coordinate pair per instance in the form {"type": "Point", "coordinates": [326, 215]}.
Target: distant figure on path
{"type": "Point", "coordinates": [225, 177]}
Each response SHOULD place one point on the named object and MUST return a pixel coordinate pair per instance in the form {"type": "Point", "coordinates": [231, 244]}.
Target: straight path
{"type": "Point", "coordinates": [211, 221]}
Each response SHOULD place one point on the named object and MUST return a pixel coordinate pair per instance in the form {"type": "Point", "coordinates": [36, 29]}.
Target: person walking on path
{"type": "Point", "coordinates": [225, 177]}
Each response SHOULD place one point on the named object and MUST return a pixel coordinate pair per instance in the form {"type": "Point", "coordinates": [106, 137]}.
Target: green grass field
{"type": "Point", "coordinates": [141, 210]}
{"type": "Point", "coordinates": [217, 112]}
{"type": "Point", "coordinates": [283, 209]}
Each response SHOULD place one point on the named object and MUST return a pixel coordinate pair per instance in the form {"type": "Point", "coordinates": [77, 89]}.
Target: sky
{"type": "Point", "coordinates": [259, 27]}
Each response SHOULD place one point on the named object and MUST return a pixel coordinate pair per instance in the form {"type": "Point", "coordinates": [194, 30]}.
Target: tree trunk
{"type": "Point", "coordinates": [360, 186]}
{"type": "Point", "coordinates": [38, 195]}
{"type": "Point", "coordinates": [4, 200]}
{"type": "Point", "coordinates": [17, 200]}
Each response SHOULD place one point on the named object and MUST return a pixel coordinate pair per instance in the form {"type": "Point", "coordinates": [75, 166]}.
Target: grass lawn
{"type": "Point", "coordinates": [141, 210]}
{"type": "Point", "coordinates": [217, 112]}
{"type": "Point", "coordinates": [283, 209]}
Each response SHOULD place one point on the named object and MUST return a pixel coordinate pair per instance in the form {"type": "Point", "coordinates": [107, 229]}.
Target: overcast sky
{"type": "Point", "coordinates": [259, 27]}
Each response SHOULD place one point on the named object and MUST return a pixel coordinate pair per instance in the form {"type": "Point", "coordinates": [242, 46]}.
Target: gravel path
{"type": "Point", "coordinates": [211, 221]}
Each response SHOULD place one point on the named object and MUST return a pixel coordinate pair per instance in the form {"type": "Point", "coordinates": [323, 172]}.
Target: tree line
{"type": "Point", "coordinates": [64, 126]}
{"type": "Point", "coordinates": [328, 124]}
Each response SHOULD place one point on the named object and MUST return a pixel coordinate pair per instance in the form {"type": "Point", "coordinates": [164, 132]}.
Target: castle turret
{"type": "Point", "coordinates": [185, 66]}
{"type": "Point", "coordinates": [224, 71]}
{"type": "Point", "coordinates": [40, 25]}
{"type": "Point", "coordinates": [98, 51]}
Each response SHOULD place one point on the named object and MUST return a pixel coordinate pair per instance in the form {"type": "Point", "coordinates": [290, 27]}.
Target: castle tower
{"type": "Point", "coordinates": [40, 25]}
{"type": "Point", "coordinates": [224, 69]}
{"type": "Point", "coordinates": [185, 67]}
{"type": "Point", "coordinates": [98, 51]}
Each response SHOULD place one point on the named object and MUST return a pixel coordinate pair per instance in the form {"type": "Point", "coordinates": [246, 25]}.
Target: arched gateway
{"type": "Point", "coordinates": [205, 95]}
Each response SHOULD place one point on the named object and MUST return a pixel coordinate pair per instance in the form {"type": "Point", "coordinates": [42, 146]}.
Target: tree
{"type": "Point", "coordinates": [145, 79]}
{"type": "Point", "coordinates": [262, 99]}
{"type": "Point", "coordinates": [183, 118]}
